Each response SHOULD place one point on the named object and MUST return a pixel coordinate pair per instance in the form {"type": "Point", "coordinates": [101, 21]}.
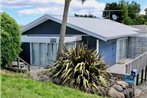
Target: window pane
{"type": "Point", "coordinates": [35, 54]}
{"type": "Point", "coordinates": [43, 54]}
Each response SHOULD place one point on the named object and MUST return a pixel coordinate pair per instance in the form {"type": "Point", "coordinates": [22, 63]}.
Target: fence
{"type": "Point", "coordinates": [138, 63]}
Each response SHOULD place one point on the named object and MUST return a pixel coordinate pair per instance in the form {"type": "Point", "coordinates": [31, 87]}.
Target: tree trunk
{"type": "Point", "coordinates": [63, 28]}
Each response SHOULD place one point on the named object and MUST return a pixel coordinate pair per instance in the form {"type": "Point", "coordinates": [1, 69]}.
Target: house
{"type": "Point", "coordinates": [40, 38]}
{"type": "Point", "coordinates": [138, 43]}
{"type": "Point", "coordinates": [143, 28]}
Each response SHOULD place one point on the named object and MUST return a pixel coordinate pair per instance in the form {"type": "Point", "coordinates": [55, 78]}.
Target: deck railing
{"type": "Point", "coordinates": [20, 59]}
{"type": "Point", "coordinates": [138, 63]}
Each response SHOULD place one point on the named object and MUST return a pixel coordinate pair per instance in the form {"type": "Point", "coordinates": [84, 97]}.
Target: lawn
{"type": "Point", "coordinates": [18, 86]}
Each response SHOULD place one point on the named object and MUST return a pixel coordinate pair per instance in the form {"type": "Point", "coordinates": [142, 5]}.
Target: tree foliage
{"type": "Point", "coordinates": [10, 39]}
{"type": "Point", "coordinates": [112, 6]}
{"type": "Point", "coordinates": [128, 21]}
{"type": "Point", "coordinates": [129, 14]}
{"type": "Point", "coordinates": [133, 9]}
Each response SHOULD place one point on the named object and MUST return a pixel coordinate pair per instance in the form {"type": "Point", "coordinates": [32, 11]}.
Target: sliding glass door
{"type": "Point", "coordinates": [35, 54]}
{"type": "Point", "coordinates": [52, 52]}
{"type": "Point", "coordinates": [43, 54]}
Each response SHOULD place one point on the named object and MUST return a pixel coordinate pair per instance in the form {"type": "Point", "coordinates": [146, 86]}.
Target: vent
{"type": "Point", "coordinates": [53, 40]}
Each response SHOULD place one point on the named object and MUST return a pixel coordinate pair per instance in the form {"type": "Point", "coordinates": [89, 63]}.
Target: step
{"type": "Point", "coordinates": [15, 63]}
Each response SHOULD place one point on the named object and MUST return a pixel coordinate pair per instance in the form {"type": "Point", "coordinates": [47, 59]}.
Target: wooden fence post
{"type": "Point", "coordinates": [145, 73]}
{"type": "Point", "coordinates": [137, 79]}
{"type": "Point", "coordinates": [18, 62]}
{"type": "Point", "coordinates": [142, 72]}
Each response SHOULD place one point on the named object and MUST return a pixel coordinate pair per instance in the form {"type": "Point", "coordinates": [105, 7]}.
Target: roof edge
{"type": "Point", "coordinates": [46, 17]}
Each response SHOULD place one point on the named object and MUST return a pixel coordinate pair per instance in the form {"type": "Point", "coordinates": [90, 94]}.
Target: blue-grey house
{"type": "Point", "coordinates": [40, 38]}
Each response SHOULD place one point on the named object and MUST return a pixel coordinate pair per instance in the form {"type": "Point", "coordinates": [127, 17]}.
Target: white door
{"type": "Point", "coordinates": [121, 49]}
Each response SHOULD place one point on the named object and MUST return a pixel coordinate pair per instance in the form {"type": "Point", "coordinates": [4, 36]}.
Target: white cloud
{"type": "Point", "coordinates": [90, 6]}
{"type": "Point", "coordinates": [143, 10]}
{"type": "Point", "coordinates": [55, 6]}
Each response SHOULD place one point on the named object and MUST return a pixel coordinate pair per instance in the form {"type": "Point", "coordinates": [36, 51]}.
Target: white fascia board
{"type": "Point", "coordinates": [87, 32]}
{"type": "Point", "coordinates": [35, 23]}
{"type": "Point", "coordinates": [118, 37]}
{"type": "Point", "coordinates": [80, 29]}
{"type": "Point", "coordinates": [97, 46]}
{"type": "Point", "coordinates": [32, 39]}
{"type": "Point", "coordinates": [46, 17]}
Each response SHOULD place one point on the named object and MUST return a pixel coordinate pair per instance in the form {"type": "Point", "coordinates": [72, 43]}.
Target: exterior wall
{"type": "Point", "coordinates": [143, 28]}
{"type": "Point", "coordinates": [25, 54]}
{"type": "Point", "coordinates": [50, 27]}
{"type": "Point", "coordinates": [108, 51]}
{"type": "Point", "coordinates": [137, 45]}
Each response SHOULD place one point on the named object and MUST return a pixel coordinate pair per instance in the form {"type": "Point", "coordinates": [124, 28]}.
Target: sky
{"type": "Point", "coordinates": [25, 11]}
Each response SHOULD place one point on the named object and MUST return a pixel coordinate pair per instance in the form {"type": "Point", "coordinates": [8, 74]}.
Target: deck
{"type": "Point", "coordinates": [139, 64]}
{"type": "Point", "coordinates": [119, 68]}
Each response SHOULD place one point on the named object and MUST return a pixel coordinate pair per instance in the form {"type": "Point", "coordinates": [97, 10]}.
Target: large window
{"type": "Point", "coordinates": [70, 45]}
{"type": "Point", "coordinates": [43, 54]}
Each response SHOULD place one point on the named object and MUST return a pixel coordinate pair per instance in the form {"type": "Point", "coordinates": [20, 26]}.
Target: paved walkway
{"type": "Point", "coordinates": [118, 68]}
{"type": "Point", "coordinates": [34, 71]}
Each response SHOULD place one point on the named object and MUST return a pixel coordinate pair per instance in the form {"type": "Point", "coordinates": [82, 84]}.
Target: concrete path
{"type": "Point", "coordinates": [34, 71]}
{"type": "Point", "coordinates": [119, 68]}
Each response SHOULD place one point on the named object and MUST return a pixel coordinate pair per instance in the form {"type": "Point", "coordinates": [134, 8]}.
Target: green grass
{"type": "Point", "coordinates": [17, 86]}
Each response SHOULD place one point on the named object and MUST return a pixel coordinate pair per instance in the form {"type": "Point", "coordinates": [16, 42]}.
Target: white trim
{"type": "Point", "coordinates": [46, 17]}
{"type": "Point", "coordinates": [34, 23]}
{"type": "Point", "coordinates": [38, 39]}
{"type": "Point", "coordinates": [84, 30]}
{"type": "Point", "coordinates": [30, 53]}
{"type": "Point", "coordinates": [97, 46]}
{"type": "Point", "coordinates": [117, 50]}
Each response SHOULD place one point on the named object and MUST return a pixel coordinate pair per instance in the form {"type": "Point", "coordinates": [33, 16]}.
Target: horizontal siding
{"type": "Point", "coordinates": [108, 51]}
{"type": "Point", "coordinates": [50, 27]}
{"type": "Point", "coordinates": [137, 46]}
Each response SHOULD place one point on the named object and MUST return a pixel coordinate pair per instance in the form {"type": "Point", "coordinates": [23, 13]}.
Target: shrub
{"type": "Point", "coordinates": [128, 21]}
{"type": "Point", "coordinates": [10, 39]}
{"type": "Point", "coordinates": [80, 68]}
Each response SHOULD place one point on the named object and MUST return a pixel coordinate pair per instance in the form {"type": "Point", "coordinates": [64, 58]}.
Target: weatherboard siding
{"type": "Point", "coordinates": [50, 27]}
{"type": "Point", "coordinates": [108, 51]}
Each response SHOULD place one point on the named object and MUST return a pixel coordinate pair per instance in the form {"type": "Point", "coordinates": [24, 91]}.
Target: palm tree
{"type": "Point", "coordinates": [63, 26]}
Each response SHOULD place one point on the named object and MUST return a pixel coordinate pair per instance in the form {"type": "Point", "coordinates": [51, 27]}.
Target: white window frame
{"type": "Point", "coordinates": [97, 46]}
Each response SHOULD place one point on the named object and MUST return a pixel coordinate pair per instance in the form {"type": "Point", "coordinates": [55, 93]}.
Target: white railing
{"type": "Point", "coordinates": [138, 63]}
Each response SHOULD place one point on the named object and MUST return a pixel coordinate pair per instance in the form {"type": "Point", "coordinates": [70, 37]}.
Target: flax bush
{"type": "Point", "coordinates": [80, 68]}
